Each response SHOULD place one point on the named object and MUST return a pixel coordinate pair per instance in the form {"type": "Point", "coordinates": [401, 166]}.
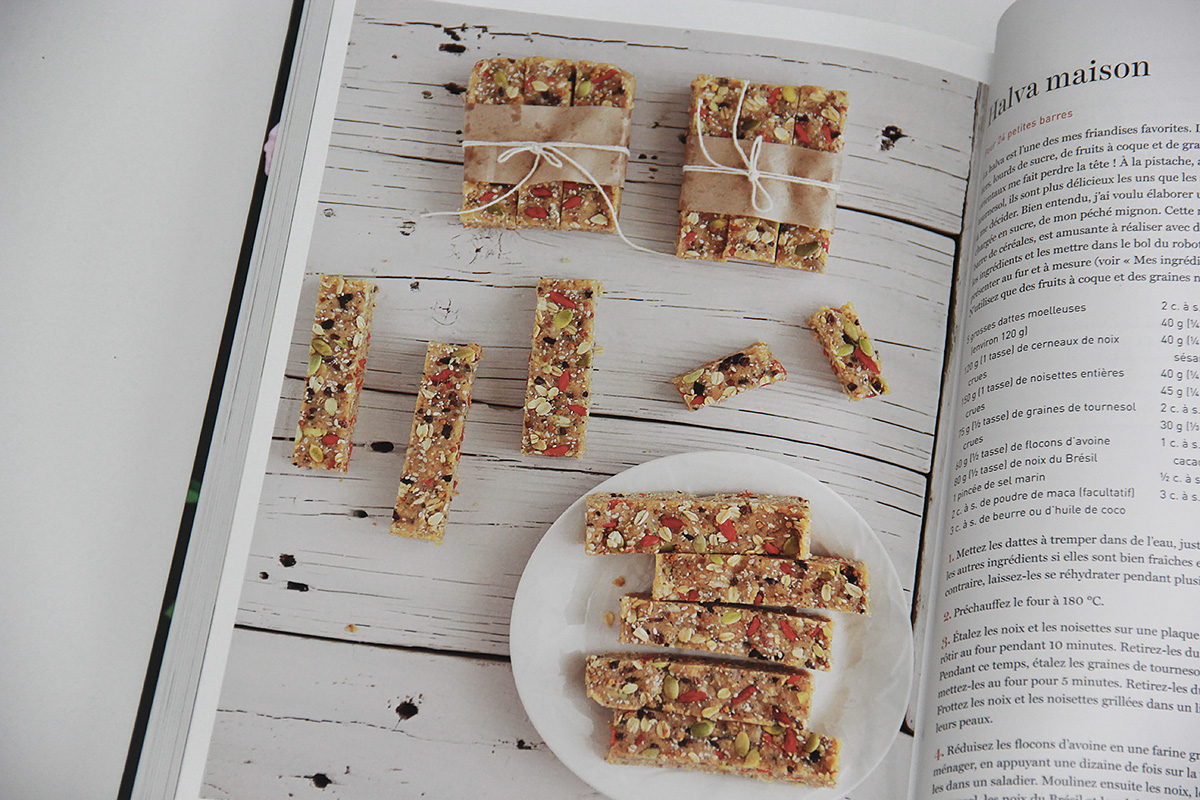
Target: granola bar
{"type": "Point", "coordinates": [768, 112]}
{"type": "Point", "coordinates": [774, 752]}
{"type": "Point", "coordinates": [699, 687]}
{"type": "Point", "coordinates": [337, 365]}
{"type": "Point", "coordinates": [820, 124]}
{"type": "Point", "coordinates": [548, 82]}
{"type": "Point", "coordinates": [793, 640]}
{"type": "Point", "coordinates": [596, 85]}
{"type": "Point", "coordinates": [496, 82]}
{"type": "Point", "coordinates": [654, 522]}
{"type": "Point", "coordinates": [430, 474]}
{"type": "Point", "coordinates": [735, 373]}
{"type": "Point", "coordinates": [805, 116]}
{"type": "Point", "coordinates": [603, 85]}
{"type": "Point", "coordinates": [493, 81]}
{"type": "Point", "coordinates": [558, 394]}
{"type": "Point", "coordinates": [714, 100]}
{"type": "Point", "coordinates": [852, 356]}
{"type": "Point", "coordinates": [818, 582]}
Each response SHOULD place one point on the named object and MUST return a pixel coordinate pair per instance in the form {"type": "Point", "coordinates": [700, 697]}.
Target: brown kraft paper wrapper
{"type": "Point", "coordinates": [796, 203]}
{"type": "Point", "coordinates": [605, 125]}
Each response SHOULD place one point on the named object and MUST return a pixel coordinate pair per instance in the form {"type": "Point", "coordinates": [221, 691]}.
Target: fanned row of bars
{"type": "Point", "coordinates": [558, 396]}
{"type": "Point", "coordinates": [734, 579]}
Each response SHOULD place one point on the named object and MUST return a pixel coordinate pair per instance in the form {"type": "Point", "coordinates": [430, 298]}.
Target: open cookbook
{"type": "Point", "coordinates": [725, 414]}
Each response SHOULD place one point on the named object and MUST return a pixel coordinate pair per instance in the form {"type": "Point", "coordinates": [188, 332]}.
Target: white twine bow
{"type": "Point", "coordinates": [750, 161]}
{"type": "Point", "coordinates": [553, 153]}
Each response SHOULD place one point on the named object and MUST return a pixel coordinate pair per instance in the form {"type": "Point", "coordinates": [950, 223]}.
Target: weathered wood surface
{"type": "Point", "coordinates": [347, 569]}
{"type": "Point", "coordinates": [311, 719]}
{"type": "Point", "coordinates": [323, 564]}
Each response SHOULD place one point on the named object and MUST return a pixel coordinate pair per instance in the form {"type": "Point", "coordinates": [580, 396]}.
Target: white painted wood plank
{"type": "Point", "coordinates": [310, 719]}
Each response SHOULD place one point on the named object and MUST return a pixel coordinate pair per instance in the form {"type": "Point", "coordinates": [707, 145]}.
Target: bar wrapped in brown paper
{"type": "Point", "coordinates": [732, 193]}
{"type": "Point", "coordinates": [770, 195]}
{"type": "Point", "coordinates": [546, 144]}
{"type": "Point", "coordinates": [596, 137]}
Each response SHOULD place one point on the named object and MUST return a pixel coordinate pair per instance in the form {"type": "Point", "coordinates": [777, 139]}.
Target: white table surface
{"type": "Point", "coordinates": [131, 137]}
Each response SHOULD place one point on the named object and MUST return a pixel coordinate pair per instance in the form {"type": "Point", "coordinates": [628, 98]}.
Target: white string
{"type": "Point", "coordinates": [552, 153]}
{"type": "Point", "coordinates": [751, 171]}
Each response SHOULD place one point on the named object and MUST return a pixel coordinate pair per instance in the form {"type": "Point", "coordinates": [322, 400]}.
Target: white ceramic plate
{"type": "Point", "coordinates": [558, 620]}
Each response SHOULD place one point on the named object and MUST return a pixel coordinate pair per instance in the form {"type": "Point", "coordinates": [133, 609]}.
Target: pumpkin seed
{"type": "Point", "coordinates": [809, 250]}
{"type": "Point", "coordinates": [702, 729]}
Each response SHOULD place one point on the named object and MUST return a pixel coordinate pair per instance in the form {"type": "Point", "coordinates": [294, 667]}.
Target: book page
{"type": "Point", "coordinates": [1064, 655]}
{"type": "Point", "coordinates": [322, 564]}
